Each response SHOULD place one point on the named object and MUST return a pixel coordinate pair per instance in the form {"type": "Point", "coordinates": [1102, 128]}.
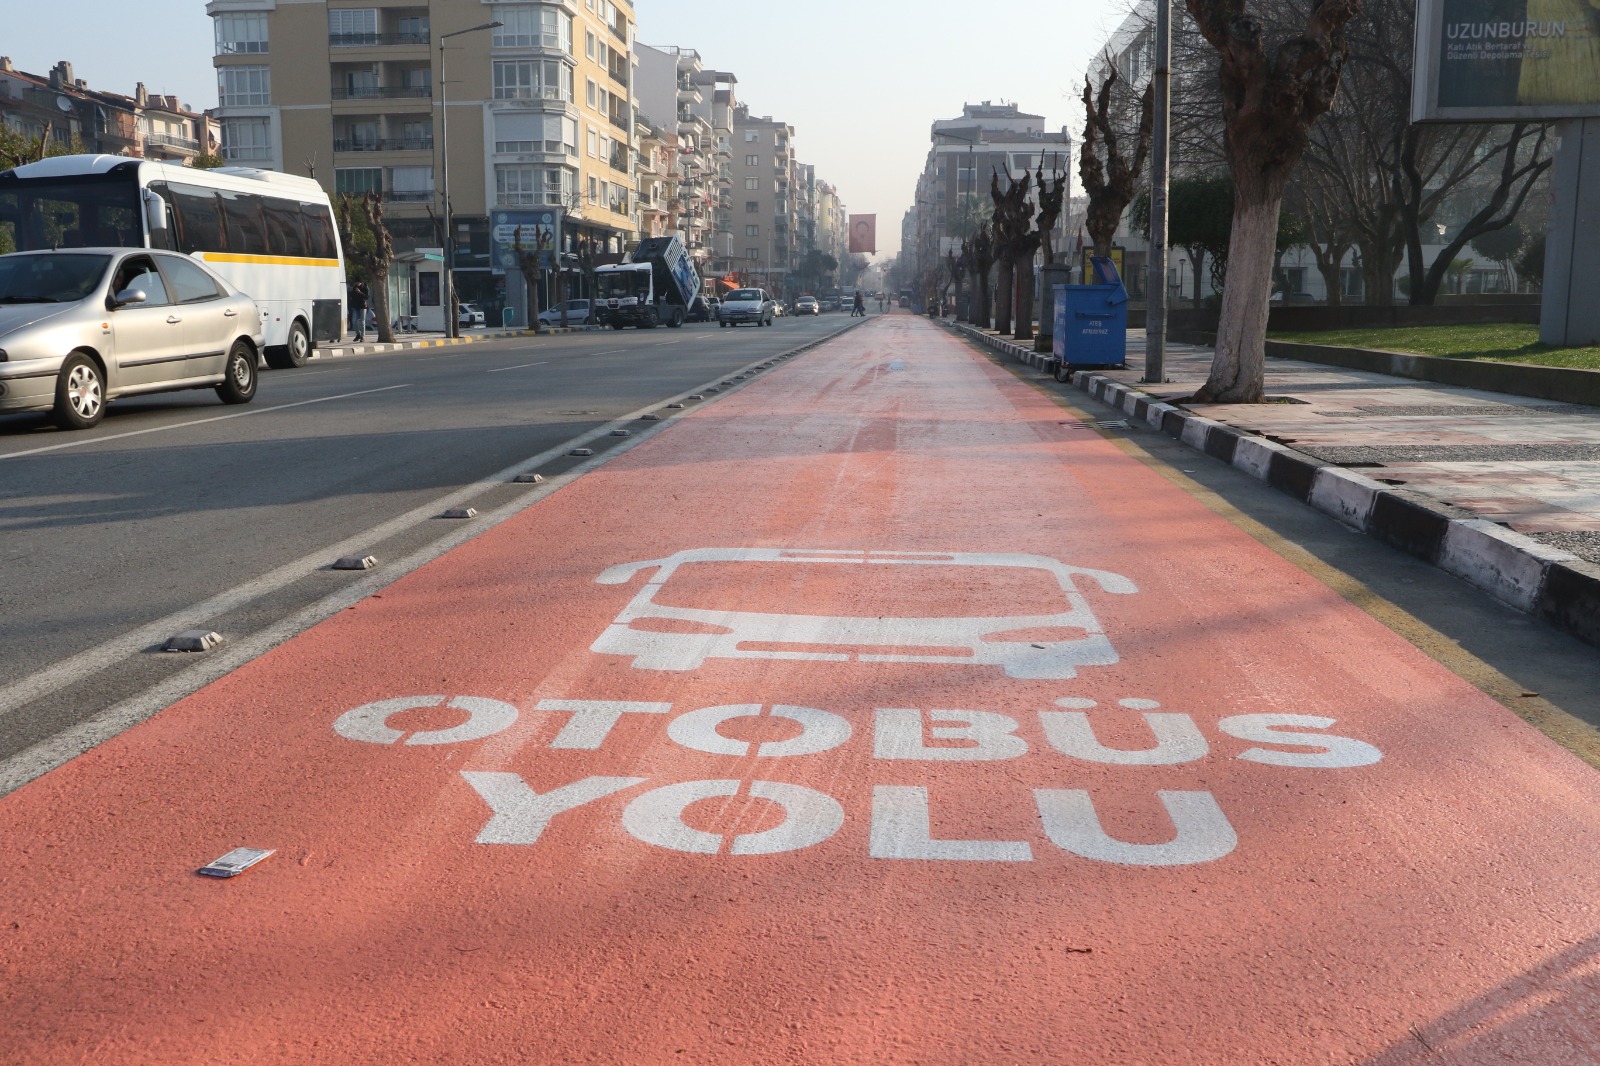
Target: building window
{"type": "Point", "coordinates": [527, 26]}
{"type": "Point", "coordinates": [749, 138]}
{"type": "Point", "coordinates": [588, 94]}
{"type": "Point", "coordinates": [752, 207]}
{"type": "Point", "coordinates": [752, 254]}
{"type": "Point", "coordinates": [411, 184]}
{"type": "Point", "coordinates": [532, 79]}
{"type": "Point", "coordinates": [752, 231]}
{"type": "Point", "coordinates": [353, 26]}
{"type": "Point", "coordinates": [524, 185]}
{"type": "Point", "coordinates": [752, 184]}
{"type": "Point", "coordinates": [593, 144]}
{"type": "Point", "coordinates": [241, 33]}
{"type": "Point", "coordinates": [244, 86]}
{"type": "Point", "coordinates": [594, 189]}
{"type": "Point", "coordinates": [588, 43]}
{"type": "Point", "coordinates": [246, 138]}
{"type": "Point", "coordinates": [752, 161]}
{"type": "Point", "coordinates": [358, 181]}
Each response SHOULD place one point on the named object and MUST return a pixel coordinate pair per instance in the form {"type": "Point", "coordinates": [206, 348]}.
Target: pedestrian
{"type": "Point", "coordinates": [358, 307]}
{"type": "Point", "coordinates": [860, 308]}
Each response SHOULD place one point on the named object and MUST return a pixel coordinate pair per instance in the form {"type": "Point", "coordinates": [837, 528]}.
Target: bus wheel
{"type": "Point", "coordinates": [80, 393]}
{"type": "Point", "coordinates": [295, 353]}
{"type": "Point", "coordinates": [677, 318]}
{"type": "Point", "coordinates": [239, 375]}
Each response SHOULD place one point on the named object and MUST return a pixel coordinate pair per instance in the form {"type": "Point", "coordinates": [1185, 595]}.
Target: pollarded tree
{"type": "Point", "coordinates": [1269, 101]}
{"type": "Point", "coordinates": [1010, 226]}
{"type": "Point", "coordinates": [368, 251]}
{"type": "Point", "coordinates": [1111, 182]}
{"type": "Point", "coordinates": [980, 259]}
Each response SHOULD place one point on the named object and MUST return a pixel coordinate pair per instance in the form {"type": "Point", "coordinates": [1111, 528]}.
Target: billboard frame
{"type": "Point", "coordinates": [1427, 63]}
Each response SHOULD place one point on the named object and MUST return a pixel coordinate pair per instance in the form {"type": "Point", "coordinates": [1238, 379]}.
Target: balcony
{"type": "Point", "coordinates": [409, 196]}
{"type": "Point", "coordinates": [376, 40]}
{"type": "Point", "coordinates": [188, 144]}
{"type": "Point", "coordinates": [383, 144]}
{"type": "Point", "coordinates": [384, 92]}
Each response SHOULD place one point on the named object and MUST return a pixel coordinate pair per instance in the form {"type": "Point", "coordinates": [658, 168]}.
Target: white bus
{"type": "Point", "coordinates": [271, 235]}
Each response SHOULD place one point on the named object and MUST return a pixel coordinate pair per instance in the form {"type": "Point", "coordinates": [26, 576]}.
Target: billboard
{"type": "Point", "coordinates": [541, 229]}
{"type": "Point", "coordinates": [1506, 60]}
{"type": "Point", "coordinates": [864, 234]}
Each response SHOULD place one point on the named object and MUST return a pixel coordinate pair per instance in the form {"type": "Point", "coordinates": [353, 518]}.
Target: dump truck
{"type": "Point", "coordinates": [656, 285]}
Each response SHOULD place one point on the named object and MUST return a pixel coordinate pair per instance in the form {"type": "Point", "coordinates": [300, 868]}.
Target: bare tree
{"type": "Point", "coordinates": [369, 250]}
{"type": "Point", "coordinates": [980, 260]}
{"type": "Point", "coordinates": [1268, 104]}
{"type": "Point", "coordinates": [1111, 183]}
{"type": "Point", "coordinates": [1012, 229]}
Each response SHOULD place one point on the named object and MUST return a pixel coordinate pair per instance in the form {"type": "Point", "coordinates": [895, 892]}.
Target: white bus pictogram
{"type": "Point", "coordinates": [1042, 645]}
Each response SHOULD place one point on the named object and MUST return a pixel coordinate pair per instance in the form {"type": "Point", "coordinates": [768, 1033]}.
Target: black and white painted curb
{"type": "Point", "coordinates": [1554, 585]}
{"type": "Point", "coordinates": [336, 351]}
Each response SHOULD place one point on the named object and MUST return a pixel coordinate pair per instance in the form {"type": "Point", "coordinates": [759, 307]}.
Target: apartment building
{"type": "Point", "coordinates": [354, 94]}
{"type": "Point", "coordinates": [717, 103]}
{"type": "Point", "coordinates": [670, 95]}
{"type": "Point", "coordinates": [765, 215]}
{"type": "Point", "coordinates": [65, 112]}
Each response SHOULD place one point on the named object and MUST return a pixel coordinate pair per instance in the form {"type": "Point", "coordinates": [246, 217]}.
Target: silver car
{"type": "Point", "coordinates": [82, 327]}
{"type": "Point", "coordinates": [746, 305]}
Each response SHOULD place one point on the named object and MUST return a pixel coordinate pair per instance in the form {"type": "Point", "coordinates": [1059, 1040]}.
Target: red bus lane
{"type": "Point", "coordinates": [870, 715]}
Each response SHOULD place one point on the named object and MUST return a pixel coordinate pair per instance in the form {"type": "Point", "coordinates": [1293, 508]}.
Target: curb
{"type": "Point", "coordinates": [340, 350]}
{"type": "Point", "coordinates": [1554, 585]}
{"type": "Point", "coordinates": [1564, 384]}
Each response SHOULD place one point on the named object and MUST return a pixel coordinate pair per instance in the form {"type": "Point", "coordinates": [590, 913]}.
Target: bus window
{"type": "Point", "coordinates": [285, 228]}
{"type": "Point", "coordinates": [319, 232]}
{"type": "Point", "coordinates": [247, 230]}
{"type": "Point", "coordinates": [69, 213]}
{"type": "Point", "coordinates": [199, 221]}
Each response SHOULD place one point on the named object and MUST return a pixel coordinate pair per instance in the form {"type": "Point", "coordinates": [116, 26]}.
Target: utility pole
{"type": "Point", "coordinates": [1155, 323]}
{"type": "Point", "coordinates": [452, 324]}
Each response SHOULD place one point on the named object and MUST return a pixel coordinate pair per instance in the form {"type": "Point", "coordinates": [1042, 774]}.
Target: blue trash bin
{"type": "Point", "coordinates": [1091, 327]}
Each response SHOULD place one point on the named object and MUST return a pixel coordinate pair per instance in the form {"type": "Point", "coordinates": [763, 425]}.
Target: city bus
{"type": "Point", "coordinates": [271, 235]}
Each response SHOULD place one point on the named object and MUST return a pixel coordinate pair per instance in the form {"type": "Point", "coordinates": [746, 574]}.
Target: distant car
{"type": "Point", "coordinates": [471, 317]}
{"type": "Point", "coordinates": [830, 303]}
{"type": "Point", "coordinates": [746, 305]}
{"type": "Point", "coordinates": [82, 327]}
{"type": "Point", "coordinates": [807, 305]}
{"type": "Point", "coordinates": [577, 314]}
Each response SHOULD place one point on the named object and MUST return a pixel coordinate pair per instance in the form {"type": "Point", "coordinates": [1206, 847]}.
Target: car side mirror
{"type": "Point", "coordinates": [129, 296]}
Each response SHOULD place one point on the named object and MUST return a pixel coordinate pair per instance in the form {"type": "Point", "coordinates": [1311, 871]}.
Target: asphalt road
{"type": "Point", "coordinates": [177, 512]}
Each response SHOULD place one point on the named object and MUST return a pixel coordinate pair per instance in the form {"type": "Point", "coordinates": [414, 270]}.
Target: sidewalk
{"type": "Point", "coordinates": [871, 712]}
{"type": "Point", "coordinates": [1501, 490]}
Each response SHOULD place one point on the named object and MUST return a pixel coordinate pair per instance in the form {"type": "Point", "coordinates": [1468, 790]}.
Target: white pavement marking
{"type": "Point", "coordinates": [519, 366]}
{"type": "Point", "coordinates": [195, 422]}
{"type": "Point", "coordinates": [51, 752]}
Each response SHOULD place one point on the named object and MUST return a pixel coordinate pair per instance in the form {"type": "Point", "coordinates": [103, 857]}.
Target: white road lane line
{"type": "Point", "coordinates": [195, 422]}
{"type": "Point", "coordinates": [519, 366]}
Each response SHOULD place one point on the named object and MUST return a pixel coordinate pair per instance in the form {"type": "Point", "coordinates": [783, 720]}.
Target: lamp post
{"type": "Point", "coordinates": [1155, 351]}
{"type": "Point", "coordinates": [452, 323]}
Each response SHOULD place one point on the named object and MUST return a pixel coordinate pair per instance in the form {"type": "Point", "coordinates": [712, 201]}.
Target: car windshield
{"type": "Point", "coordinates": [622, 283]}
{"type": "Point", "coordinates": [745, 294]}
{"type": "Point", "coordinates": [48, 278]}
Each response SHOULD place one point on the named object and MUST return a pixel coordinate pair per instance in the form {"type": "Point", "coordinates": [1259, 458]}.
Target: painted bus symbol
{"type": "Point", "coordinates": [893, 607]}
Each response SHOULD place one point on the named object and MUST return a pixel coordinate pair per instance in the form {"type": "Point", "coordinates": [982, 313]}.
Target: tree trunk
{"type": "Point", "coordinates": [1240, 362]}
{"type": "Point", "coordinates": [1002, 296]}
{"type": "Point", "coordinates": [379, 290]}
{"type": "Point", "coordinates": [985, 299]}
{"type": "Point", "coordinates": [1022, 280]}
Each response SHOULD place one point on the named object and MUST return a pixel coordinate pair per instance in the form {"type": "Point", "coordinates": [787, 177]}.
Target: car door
{"type": "Point", "coordinates": [146, 338]}
{"type": "Point", "coordinates": [209, 318]}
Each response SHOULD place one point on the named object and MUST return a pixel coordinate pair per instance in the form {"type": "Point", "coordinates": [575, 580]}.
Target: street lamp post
{"type": "Point", "coordinates": [452, 323]}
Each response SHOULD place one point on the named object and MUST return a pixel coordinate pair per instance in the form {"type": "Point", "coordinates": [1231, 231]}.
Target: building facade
{"type": "Point", "coordinates": [765, 215]}
{"type": "Point", "coordinates": [540, 114]}
{"type": "Point", "coordinates": [64, 114]}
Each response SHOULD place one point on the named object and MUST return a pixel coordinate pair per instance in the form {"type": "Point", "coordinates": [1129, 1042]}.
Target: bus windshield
{"type": "Point", "coordinates": [94, 211]}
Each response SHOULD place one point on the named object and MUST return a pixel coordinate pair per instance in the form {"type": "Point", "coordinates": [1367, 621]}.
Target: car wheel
{"type": "Point", "coordinates": [296, 353]}
{"type": "Point", "coordinates": [239, 375]}
{"type": "Point", "coordinates": [80, 393]}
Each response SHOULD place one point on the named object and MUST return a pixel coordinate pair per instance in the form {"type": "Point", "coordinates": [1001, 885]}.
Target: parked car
{"type": "Point", "coordinates": [471, 317]}
{"type": "Point", "coordinates": [746, 305]}
{"type": "Point", "coordinates": [82, 327]}
{"type": "Point", "coordinates": [577, 314]}
{"type": "Point", "coordinates": [807, 305]}
{"type": "Point", "coordinates": [700, 310]}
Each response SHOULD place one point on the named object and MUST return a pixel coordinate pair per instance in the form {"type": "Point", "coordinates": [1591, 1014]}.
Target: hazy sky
{"type": "Point", "coordinates": [860, 81]}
